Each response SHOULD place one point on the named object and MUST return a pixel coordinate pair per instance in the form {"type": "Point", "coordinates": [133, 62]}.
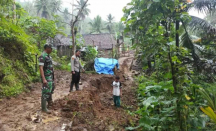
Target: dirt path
{"type": "Point", "coordinates": [90, 109]}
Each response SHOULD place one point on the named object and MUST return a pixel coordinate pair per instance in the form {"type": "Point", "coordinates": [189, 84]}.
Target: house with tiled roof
{"type": "Point", "coordinates": [103, 42]}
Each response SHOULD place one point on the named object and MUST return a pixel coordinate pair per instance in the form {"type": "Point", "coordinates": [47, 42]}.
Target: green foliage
{"type": "Point", "coordinates": [89, 56]}
{"type": "Point", "coordinates": [79, 41]}
{"type": "Point", "coordinates": [62, 63]}
{"type": "Point", "coordinates": [86, 11]}
{"type": "Point", "coordinates": [90, 53]}
{"type": "Point", "coordinates": [19, 36]}
{"type": "Point", "coordinates": [109, 24]}
{"type": "Point", "coordinates": [158, 104]}
{"type": "Point", "coordinates": [209, 96]}
{"type": "Point", "coordinates": [16, 58]}
{"type": "Point", "coordinates": [96, 25]}
{"type": "Point", "coordinates": [40, 29]}
{"type": "Point", "coordinates": [176, 67]}
{"type": "Point", "coordinates": [46, 8]}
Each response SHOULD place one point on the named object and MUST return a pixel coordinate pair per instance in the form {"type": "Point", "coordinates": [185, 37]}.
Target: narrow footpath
{"type": "Point", "coordinates": [90, 109]}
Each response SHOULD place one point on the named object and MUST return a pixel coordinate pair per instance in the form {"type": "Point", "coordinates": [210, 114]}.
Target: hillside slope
{"type": "Point", "coordinates": [16, 58]}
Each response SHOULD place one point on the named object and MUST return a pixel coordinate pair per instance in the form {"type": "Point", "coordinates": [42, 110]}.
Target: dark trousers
{"type": "Point", "coordinates": [116, 100]}
{"type": "Point", "coordinates": [75, 80]}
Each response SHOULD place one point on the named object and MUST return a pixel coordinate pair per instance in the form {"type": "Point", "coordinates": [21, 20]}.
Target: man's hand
{"type": "Point", "coordinates": [73, 72]}
{"type": "Point", "coordinates": [45, 82]}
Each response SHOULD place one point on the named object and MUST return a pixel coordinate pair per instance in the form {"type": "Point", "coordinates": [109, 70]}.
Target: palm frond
{"type": "Point", "coordinates": [206, 96]}
{"type": "Point", "coordinates": [198, 24]}
{"type": "Point", "coordinates": [90, 23]}
{"type": "Point", "coordinates": [205, 6]}
{"type": "Point", "coordinates": [186, 41]}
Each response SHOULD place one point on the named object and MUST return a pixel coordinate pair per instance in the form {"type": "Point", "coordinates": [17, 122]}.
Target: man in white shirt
{"type": "Point", "coordinates": [75, 70]}
{"type": "Point", "coordinates": [117, 91]}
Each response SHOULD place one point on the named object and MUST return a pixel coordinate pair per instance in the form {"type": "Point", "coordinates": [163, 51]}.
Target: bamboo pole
{"type": "Point", "coordinates": [128, 51]}
{"type": "Point", "coordinates": [112, 54]}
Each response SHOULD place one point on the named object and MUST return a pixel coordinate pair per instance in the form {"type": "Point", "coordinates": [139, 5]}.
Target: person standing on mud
{"type": "Point", "coordinates": [75, 70]}
{"type": "Point", "coordinates": [117, 86]}
{"type": "Point", "coordinates": [47, 75]}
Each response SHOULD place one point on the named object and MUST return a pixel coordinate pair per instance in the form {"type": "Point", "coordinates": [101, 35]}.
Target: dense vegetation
{"type": "Point", "coordinates": [25, 26]}
{"type": "Point", "coordinates": [176, 51]}
{"type": "Point", "coordinates": [176, 88]}
{"type": "Point", "coordinates": [22, 37]}
{"type": "Point", "coordinates": [53, 10]}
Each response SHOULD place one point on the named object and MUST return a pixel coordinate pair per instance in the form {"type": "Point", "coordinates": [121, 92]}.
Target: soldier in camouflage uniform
{"type": "Point", "coordinates": [47, 75]}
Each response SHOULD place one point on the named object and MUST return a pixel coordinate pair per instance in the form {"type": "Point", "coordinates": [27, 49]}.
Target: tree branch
{"type": "Point", "coordinates": [65, 23]}
{"type": "Point", "coordinates": [65, 12]}
{"type": "Point", "coordinates": [78, 14]}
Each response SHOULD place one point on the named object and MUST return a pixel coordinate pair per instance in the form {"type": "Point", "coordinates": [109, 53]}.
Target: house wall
{"type": "Point", "coordinates": [64, 51]}
{"type": "Point", "coordinates": [67, 51]}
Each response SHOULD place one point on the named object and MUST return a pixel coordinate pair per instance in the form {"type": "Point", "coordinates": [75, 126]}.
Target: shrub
{"type": "Point", "coordinates": [16, 58]}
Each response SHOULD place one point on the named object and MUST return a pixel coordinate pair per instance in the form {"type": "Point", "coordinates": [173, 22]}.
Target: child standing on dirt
{"type": "Point", "coordinates": [117, 91]}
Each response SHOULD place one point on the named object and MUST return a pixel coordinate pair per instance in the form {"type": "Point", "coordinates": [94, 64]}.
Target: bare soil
{"type": "Point", "coordinates": [90, 109]}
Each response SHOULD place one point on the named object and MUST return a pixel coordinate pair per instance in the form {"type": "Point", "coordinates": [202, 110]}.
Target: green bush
{"type": "Point", "coordinates": [16, 58]}
{"type": "Point", "coordinates": [63, 62]}
{"type": "Point", "coordinates": [90, 54]}
{"type": "Point", "coordinates": [159, 105]}
{"type": "Point", "coordinates": [89, 58]}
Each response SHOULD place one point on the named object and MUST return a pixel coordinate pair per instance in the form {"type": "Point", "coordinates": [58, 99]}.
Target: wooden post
{"type": "Point", "coordinates": [118, 45]}
{"type": "Point", "coordinates": [124, 49]}
{"type": "Point", "coordinates": [99, 45]}
{"type": "Point", "coordinates": [128, 51]}
{"type": "Point", "coordinates": [14, 10]}
{"type": "Point", "coordinates": [112, 53]}
{"type": "Point", "coordinates": [93, 42]}
{"type": "Point", "coordinates": [131, 66]}
{"type": "Point", "coordinates": [36, 62]}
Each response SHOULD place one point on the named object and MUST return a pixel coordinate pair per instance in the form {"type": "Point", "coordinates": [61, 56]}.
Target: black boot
{"type": "Point", "coordinates": [77, 86]}
{"type": "Point", "coordinates": [71, 87]}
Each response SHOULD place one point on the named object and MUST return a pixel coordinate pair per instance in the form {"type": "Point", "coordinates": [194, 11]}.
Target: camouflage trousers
{"type": "Point", "coordinates": [47, 90]}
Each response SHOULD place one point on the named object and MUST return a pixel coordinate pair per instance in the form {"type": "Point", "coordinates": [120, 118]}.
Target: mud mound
{"type": "Point", "coordinates": [92, 108]}
{"type": "Point", "coordinates": [102, 84]}
{"type": "Point", "coordinates": [71, 106]}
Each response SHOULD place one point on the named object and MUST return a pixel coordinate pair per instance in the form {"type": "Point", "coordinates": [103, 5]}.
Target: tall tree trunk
{"type": "Point", "coordinates": [173, 71]}
{"type": "Point", "coordinates": [123, 42]}
{"type": "Point", "coordinates": [72, 32]}
{"type": "Point", "coordinates": [177, 46]}
{"type": "Point", "coordinates": [73, 40]}
{"type": "Point", "coordinates": [72, 25]}
{"type": "Point", "coordinates": [14, 9]}
{"type": "Point", "coordinates": [177, 33]}
{"type": "Point", "coordinates": [149, 63]}
{"type": "Point", "coordinates": [176, 82]}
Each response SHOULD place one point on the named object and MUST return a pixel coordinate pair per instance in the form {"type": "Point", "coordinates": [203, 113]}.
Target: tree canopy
{"type": "Point", "coordinates": [176, 64]}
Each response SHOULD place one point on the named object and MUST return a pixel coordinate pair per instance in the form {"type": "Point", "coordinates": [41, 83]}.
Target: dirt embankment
{"type": "Point", "coordinates": [90, 109]}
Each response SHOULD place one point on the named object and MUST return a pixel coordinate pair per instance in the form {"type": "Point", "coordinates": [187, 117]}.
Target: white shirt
{"type": "Point", "coordinates": [75, 64]}
{"type": "Point", "coordinates": [116, 88]}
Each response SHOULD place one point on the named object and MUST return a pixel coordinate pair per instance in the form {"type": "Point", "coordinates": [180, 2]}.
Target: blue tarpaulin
{"type": "Point", "coordinates": [105, 65]}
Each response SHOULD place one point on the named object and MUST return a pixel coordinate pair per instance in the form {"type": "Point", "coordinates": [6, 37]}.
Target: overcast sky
{"type": "Point", "coordinates": [105, 7]}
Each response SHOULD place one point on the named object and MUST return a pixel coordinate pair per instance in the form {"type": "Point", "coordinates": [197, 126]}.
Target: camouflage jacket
{"type": "Point", "coordinates": [46, 61]}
